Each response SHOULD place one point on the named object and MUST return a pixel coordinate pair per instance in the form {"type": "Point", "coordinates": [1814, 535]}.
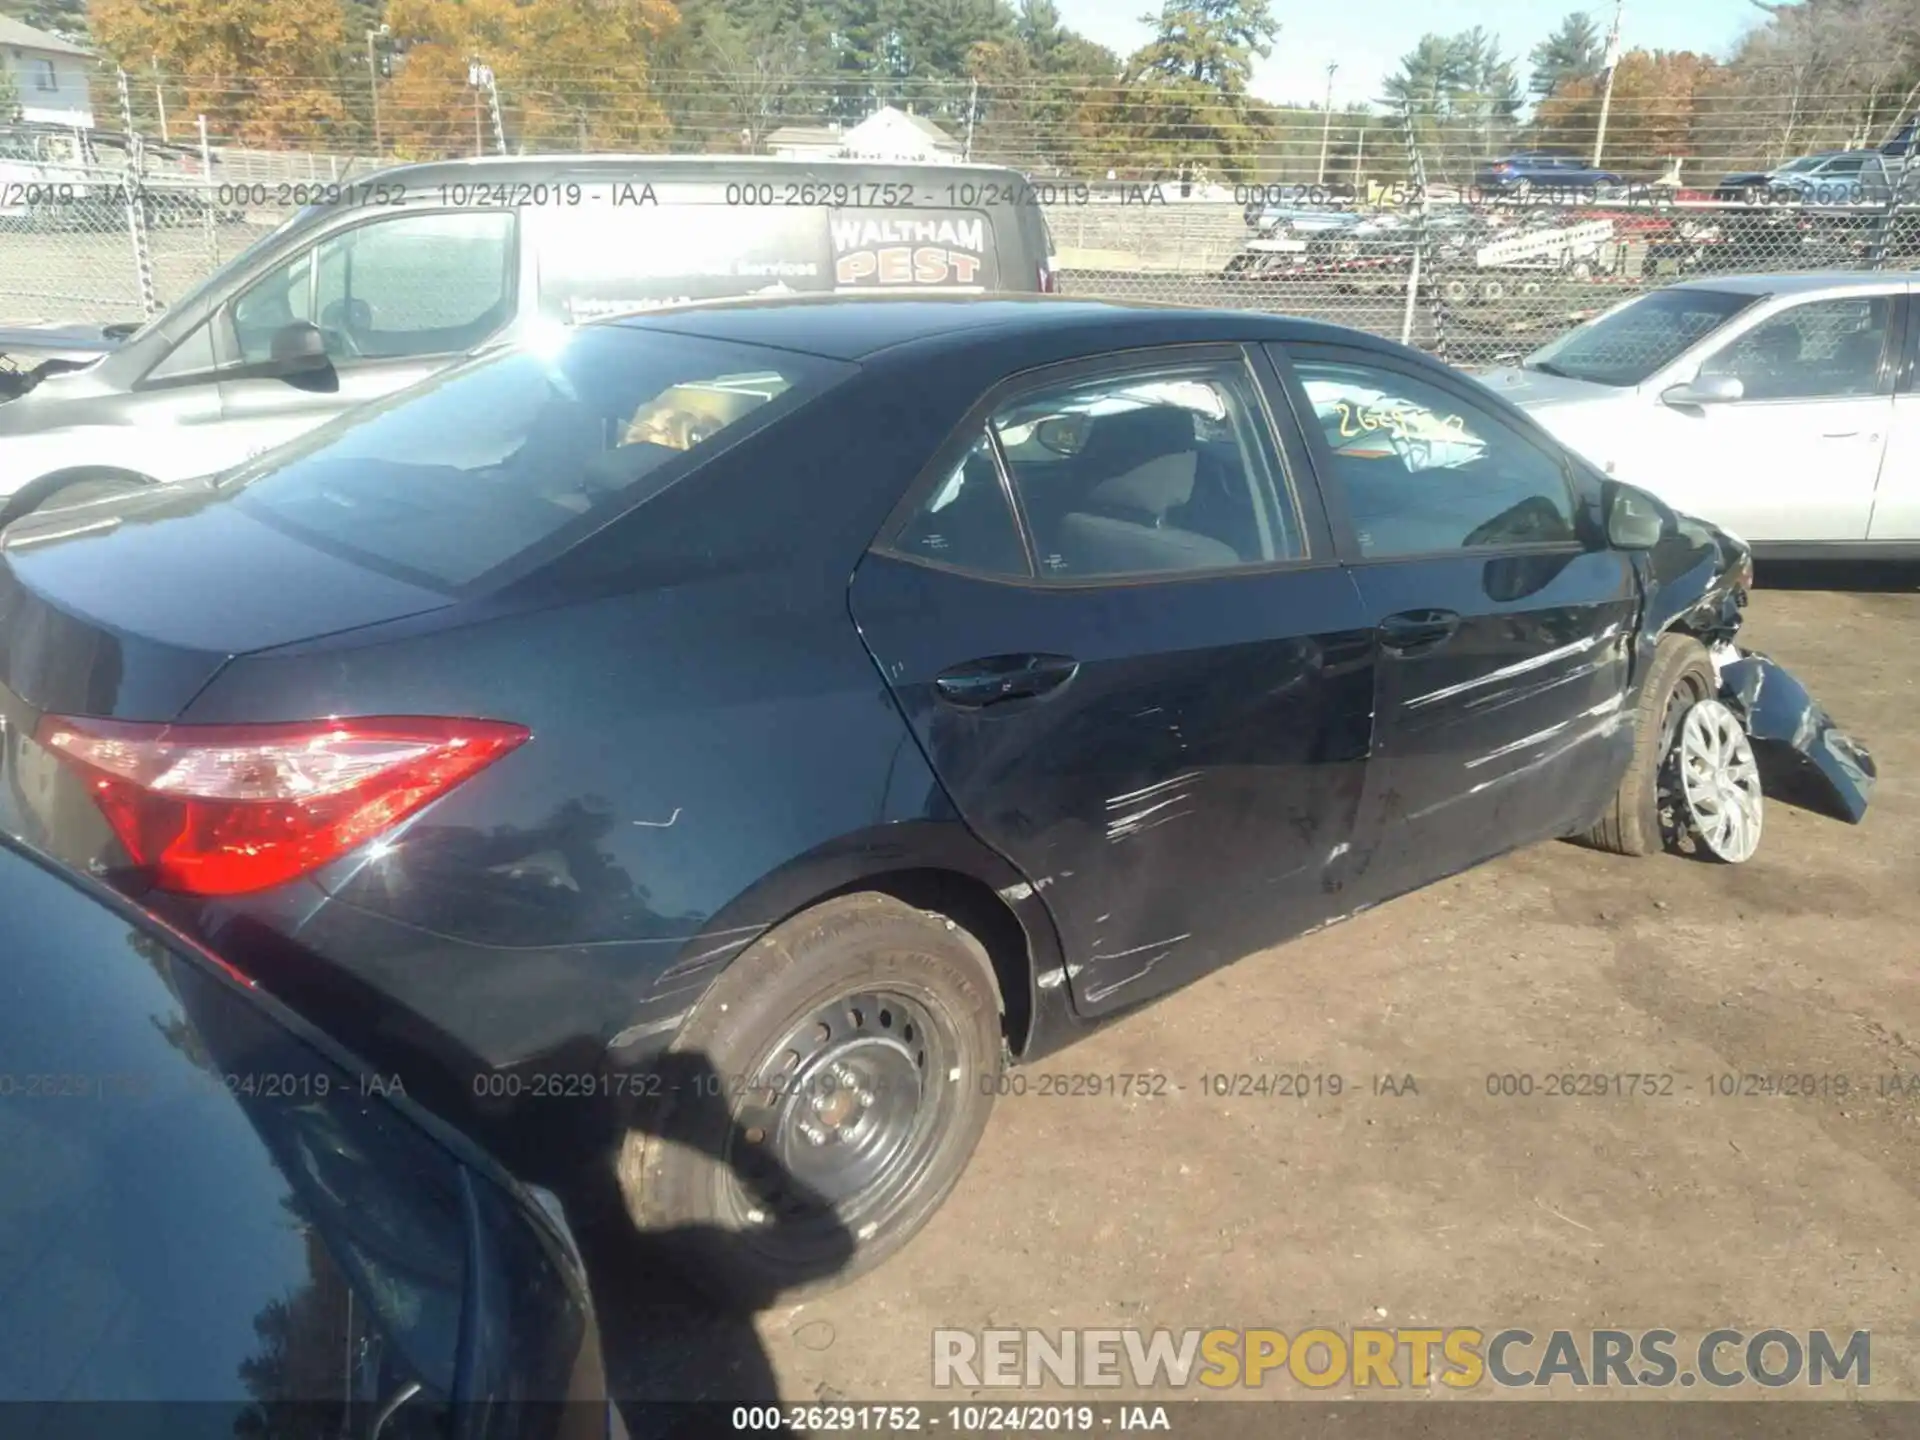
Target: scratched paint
{"type": "Point", "coordinates": [1522, 667]}
{"type": "Point", "coordinates": [1150, 807]}
{"type": "Point", "coordinates": [1097, 993]}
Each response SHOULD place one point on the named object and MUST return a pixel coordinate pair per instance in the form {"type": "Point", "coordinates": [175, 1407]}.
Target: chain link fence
{"type": "Point", "coordinates": [1474, 264]}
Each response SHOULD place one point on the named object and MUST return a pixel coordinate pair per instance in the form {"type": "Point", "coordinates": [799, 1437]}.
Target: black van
{"type": "Point", "coordinates": [387, 278]}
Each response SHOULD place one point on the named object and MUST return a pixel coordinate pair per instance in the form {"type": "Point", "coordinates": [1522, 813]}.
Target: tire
{"type": "Point", "coordinates": [1681, 673]}
{"type": "Point", "coordinates": [711, 1174]}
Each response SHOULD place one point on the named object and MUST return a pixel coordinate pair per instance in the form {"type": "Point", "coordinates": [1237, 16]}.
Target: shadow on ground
{"type": "Point", "coordinates": [666, 1343]}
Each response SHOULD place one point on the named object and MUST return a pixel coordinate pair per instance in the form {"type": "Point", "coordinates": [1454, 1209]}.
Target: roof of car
{"type": "Point", "coordinates": [843, 327]}
{"type": "Point", "coordinates": [1798, 282]}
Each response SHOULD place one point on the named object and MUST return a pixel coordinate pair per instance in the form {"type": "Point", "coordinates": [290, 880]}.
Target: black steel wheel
{"type": "Point", "coordinates": [820, 1103]}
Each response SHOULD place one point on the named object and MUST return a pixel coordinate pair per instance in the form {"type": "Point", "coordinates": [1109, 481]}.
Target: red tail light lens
{"type": "Point", "coordinates": [1049, 279]}
{"type": "Point", "coordinates": [225, 809]}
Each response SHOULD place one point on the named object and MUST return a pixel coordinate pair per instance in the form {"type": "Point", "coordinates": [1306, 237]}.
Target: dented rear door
{"type": "Point", "coordinates": [1177, 762]}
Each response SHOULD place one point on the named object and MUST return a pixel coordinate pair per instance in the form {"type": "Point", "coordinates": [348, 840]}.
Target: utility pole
{"type": "Point", "coordinates": [160, 100]}
{"type": "Point", "coordinates": [374, 37]}
{"type": "Point", "coordinates": [1606, 96]}
{"type": "Point", "coordinates": [1326, 126]}
{"type": "Point", "coordinates": [480, 77]}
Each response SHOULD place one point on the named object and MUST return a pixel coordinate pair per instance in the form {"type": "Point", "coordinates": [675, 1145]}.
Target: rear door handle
{"type": "Point", "coordinates": [997, 679]}
{"type": "Point", "coordinates": [1413, 630]}
{"type": "Point", "coordinates": [1839, 434]}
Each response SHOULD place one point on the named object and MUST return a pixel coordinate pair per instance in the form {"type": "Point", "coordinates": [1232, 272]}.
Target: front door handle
{"type": "Point", "coordinates": [1000, 678]}
{"type": "Point", "coordinates": [1414, 630]}
{"type": "Point", "coordinates": [1839, 434]}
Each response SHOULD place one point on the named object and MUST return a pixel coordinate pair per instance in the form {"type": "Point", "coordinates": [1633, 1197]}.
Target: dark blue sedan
{"type": "Point", "coordinates": [860, 696]}
{"type": "Point", "coordinates": [1546, 171]}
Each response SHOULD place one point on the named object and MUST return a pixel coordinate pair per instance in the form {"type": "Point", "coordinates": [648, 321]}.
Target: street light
{"type": "Point", "coordinates": [1326, 127]}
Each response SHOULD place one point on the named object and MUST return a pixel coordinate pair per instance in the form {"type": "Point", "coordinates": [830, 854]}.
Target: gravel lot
{"type": "Point", "coordinates": [1450, 1207]}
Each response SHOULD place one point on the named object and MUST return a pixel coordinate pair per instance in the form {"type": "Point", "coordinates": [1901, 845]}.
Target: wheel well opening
{"type": "Point", "coordinates": [974, 906]}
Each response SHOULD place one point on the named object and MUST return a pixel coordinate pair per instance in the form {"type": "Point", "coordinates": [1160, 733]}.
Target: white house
{"type": "Point", "coordinates": [50, 76]}
{"type": "Point", "coordinates": [806, 142]}
{"type": "Point", "coordinates": [887, 134]}
{"type": "Point", "coordinates": [890, 134]}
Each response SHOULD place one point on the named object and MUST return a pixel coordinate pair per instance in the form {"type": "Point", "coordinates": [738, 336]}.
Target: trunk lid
{"type": "Point", "coordinates": [126, 608]}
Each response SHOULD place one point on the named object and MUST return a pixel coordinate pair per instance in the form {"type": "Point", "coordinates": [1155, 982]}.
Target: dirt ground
{"type": "Point", "coordinates": [1452, 1207]}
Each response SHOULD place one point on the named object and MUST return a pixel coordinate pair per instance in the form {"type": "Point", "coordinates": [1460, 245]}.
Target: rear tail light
{"type": "Point", "coordinates": [225, 809]}
{"type": "Point", "coordinates": [1049, 278]}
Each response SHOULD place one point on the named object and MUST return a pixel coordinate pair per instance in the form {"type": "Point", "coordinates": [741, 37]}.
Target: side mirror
{"type": "Point", "coordinates": [298, 349]}
{"type": "Point", "coordinates": [1706, 390]}
{"type": "Point", "coordinates": [1635, 520]}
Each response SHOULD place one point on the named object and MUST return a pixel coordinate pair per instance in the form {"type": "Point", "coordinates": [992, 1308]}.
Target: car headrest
{"type": "Point", "coordinates": [1152, 489]}
{"type": "Point", "coordinates": [1120, 441]}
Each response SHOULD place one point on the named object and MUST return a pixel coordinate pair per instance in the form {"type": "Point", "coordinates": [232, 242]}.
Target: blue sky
{"type": "Point", "coordinates": [1368, 37]}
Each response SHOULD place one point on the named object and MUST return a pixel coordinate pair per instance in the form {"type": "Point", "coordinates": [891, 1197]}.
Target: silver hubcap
{"type": "Point", "coordinates": [1719, 782]}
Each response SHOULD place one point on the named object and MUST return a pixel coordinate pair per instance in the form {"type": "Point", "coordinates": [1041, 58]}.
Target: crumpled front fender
{"type": "Point", "coordinates": [1805, 759]}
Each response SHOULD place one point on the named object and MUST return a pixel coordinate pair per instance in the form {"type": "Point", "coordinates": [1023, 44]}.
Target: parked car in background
{"type": "Point", "coordinates": [857, 693]}
{"type": "Point", "coordinates": [1526, 171]}
{"type": "Point", "coordinates": [1835, 177]}
{"type": "Point", "coordinates": [215, 1212]}
{"type": "Point", "coordinates": [403, 271]}
{"type": "Point", "coordinates": [1779, 406]}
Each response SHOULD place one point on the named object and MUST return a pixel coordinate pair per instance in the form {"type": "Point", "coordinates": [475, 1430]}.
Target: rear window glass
{"type": "Point", "coordinates": [479, 465]}
{"type": "Point", "coordinates": [630, 247]}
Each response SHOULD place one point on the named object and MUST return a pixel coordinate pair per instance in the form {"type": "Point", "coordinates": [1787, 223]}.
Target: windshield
{"type": "Point", "coordinates": [1802, 165]}
{"type": "Point", "coordinates": [1635, 340]}
{"type": "Point", "coordinates": [479, 464]}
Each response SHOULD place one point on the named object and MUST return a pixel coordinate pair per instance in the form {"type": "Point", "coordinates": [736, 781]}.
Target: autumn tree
{"type": "Point", "coordinates": [1823, 74]}
{"type": "Point", "coordinates": [572, 74]}
{"type": "Point", "coordinates": [1650, 120]}
{"type": "Point", "coordinates": [262, 74]}
{"type": "Point", "coordinates": [1035, 86]}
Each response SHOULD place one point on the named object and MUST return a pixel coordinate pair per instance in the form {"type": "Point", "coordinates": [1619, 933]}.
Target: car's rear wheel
{"type": "Point", "coordinates": [820, 1103]}
{"type": "Point", "coordinates": [1635, 822]}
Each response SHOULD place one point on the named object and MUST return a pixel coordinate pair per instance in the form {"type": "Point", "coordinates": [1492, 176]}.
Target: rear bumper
{"type": "Point", "coordinates": [1805, 759]}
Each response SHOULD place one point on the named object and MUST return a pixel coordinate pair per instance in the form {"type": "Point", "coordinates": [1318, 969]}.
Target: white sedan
{"type": "Point", "coordinates": [1780, 407]}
